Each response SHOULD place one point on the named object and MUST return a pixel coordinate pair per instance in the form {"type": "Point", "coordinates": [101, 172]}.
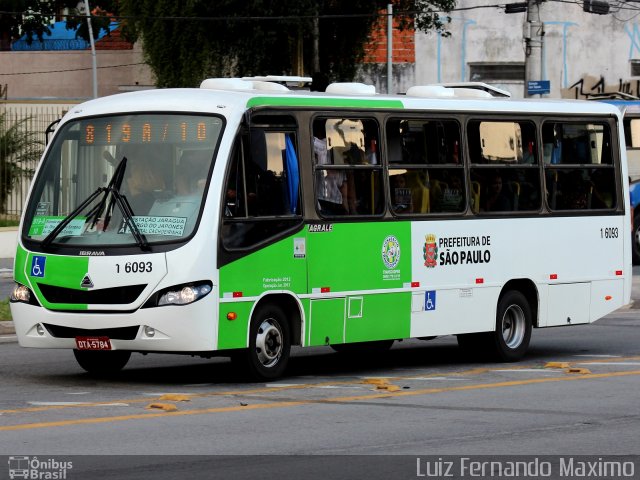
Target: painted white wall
{"type": "Point", "coordinates": [8, 241]}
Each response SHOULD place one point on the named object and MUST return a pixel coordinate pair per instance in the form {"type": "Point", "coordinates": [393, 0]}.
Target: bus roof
{"type": "Point", "coordinates": [237, 95]}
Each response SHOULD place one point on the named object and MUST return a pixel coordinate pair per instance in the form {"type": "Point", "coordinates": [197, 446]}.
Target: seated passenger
{"type": "Point", "coordinates": [142, 185]}
{"type": "Point", "coordinates": [452, 196]}
{"type": "Point", "coordinates": [497, 199]}
{"type": "Point", "coordinates": [402, 202]}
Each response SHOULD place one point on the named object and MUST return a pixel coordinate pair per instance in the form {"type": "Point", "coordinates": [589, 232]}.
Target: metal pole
{"type": "Point", "coordinates": [94, 65]}
{"type": "Point", "coordinates": [316, 43]}
{"type": "Point", "coordinates": [389, 48]}
{"type": "Point", "coordinates": [533, 35]}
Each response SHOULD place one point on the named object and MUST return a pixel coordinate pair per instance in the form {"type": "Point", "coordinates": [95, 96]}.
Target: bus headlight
{"type": "Point", "coordinates": [184, 294]}
{"type": "Point", "coordinates": [21, 294]}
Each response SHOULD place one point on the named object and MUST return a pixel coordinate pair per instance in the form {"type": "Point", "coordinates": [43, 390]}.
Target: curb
{"type": "Point", "coordinates": [7, 328]}
{"type": "Point", "coordinates": [8, 332]}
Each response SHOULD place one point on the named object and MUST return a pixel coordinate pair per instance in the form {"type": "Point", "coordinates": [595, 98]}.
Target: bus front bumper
{"type": "Point", "coordinates": [172, 328]}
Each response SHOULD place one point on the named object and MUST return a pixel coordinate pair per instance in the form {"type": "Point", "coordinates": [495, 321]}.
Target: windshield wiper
{"type": "Point", "coordinates": [116, 198]}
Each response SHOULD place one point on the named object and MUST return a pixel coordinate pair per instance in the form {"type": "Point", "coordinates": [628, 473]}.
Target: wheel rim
{"type": "Point", "coordinates": [513, 326]}
{"type": "Point", "coordinates": [637, 239]}
{"type": "Point", "coordinates": [269, 343]}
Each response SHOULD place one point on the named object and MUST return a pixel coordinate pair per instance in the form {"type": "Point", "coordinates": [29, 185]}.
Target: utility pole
{"type": "Point", "coordinates": [534, 46]}
{"type": "Point", "coordinates": [94, 67]}
{"type": "Point", "coordinates": [389, 48]}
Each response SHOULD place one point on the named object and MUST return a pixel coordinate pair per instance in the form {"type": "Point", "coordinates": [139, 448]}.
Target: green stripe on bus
{"type": "Point", "coordinates": [19, 266]}
{"type": "Point", "coordinates": [323, 102]}
{"type": "Point", "coordinates": [340, 259]}
{"type": "Point", "coordinates": [60, 271]}
{"type": "Point", "coordinates": [233, 333]}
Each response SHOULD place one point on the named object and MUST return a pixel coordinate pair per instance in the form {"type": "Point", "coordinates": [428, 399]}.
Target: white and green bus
{"type": "Point", "coordinates": [241, 219]}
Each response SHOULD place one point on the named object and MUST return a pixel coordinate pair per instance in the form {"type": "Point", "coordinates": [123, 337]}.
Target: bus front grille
{"type": "Point", "coordinates": [122, 333]}
{"type": "Point", "coordinates": [104, 296]}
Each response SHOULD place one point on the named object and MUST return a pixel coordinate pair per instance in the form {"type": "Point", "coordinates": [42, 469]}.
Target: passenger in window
{"type": "Point", "coordinates": [497, 199]}
{"type": "Point", "coordinates": [331, 185]}
{"type": "Point", "coordinates": [603, 196]}
{"type": "Point", "coordinates": [191, 177]}
{"type": "Point", "coordinates": [355, 155]}
{"type": "Point", "coordinates": [402, 202]}
{"type": "Point", "coordinates": [452, 196]}
{"type": "Point", "coordinates": [529, 156]}
{"type": "Point", "coordinates": [575, 192]}
{"type": "Point", "coordinates": [143, 185]}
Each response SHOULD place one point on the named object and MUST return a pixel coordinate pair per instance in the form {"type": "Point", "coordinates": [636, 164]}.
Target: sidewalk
{"type": "Point", "coordinates": [7, 332]}
{"type": "Point", "coordinates": [8, 240]}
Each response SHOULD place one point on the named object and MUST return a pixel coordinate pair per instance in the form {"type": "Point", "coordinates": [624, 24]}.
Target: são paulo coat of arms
{"type": "Point", "coordinates": [430, 251]}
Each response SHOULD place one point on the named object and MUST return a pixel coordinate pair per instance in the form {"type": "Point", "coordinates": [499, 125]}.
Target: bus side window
{"type": "Point", "coordinates": [348, 173]}
{"type": "Point", "coordinates": [261, 198]}
{"type": "Point", "coordinates": [579, 169]}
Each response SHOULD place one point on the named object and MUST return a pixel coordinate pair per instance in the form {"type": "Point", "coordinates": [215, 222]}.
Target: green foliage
{"type": "Point", "coordinates": [234, 38]}
{"type": "Point", "coordinates": [35, 17]}
{"type": "Point", "coordinates": [100, 21]}
{"type": "Point", "coordinates": [17, 146]}
{"type": "Point", "coordinates": [426, 14]}
{"type": "Point", "coordinates": [5, 311]}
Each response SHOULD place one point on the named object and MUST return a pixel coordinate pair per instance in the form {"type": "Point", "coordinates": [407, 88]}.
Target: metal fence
{"type": "Point", "coordinates": [37, 117]}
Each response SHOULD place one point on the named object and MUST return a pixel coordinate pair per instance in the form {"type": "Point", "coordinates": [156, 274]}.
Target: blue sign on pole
{"type": "Point", "coordinates": [538, 87]}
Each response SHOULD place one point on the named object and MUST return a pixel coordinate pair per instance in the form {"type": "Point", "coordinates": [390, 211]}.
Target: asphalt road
{"type": "Point", "coordinates": [173, 417]}
{"type": "Point", "coordinates": [421, 399]}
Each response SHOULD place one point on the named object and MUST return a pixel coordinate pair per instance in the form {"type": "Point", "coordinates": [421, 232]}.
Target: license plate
{"type": "Point", "coordinates": [93, 343]}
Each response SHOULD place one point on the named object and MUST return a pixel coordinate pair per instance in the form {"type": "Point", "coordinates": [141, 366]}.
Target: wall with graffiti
{"type": "Point", "coordinates": [591, 86]}
{"type": "Point", "coordinates": [583, 55]}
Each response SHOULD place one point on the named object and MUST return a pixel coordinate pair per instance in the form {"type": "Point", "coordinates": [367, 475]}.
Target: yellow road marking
{"type": "Point", "coordinates": [357, 381]}
{"type": "Point", "coordinates": [355, 398]}
{"type": "Point", "coordinates": [473, 371]}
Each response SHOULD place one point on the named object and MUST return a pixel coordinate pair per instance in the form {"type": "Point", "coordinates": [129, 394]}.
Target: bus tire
{"type": "Point", "coordinates": [269, 344]}
{"type": "Point", "coordinates": [106, 362]}
{"type": "Point", "coordinates": [635, 240]}
{"type": "Point", "coordinates": [510, 340]}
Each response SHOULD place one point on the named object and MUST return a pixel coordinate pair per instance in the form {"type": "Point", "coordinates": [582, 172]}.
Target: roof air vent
{"type": "Point", "coordinates": [429, 91]}
{"type": "Point", "coordinates": [351, 88]}
{"type": "Point", "coordinates": [226, 84]}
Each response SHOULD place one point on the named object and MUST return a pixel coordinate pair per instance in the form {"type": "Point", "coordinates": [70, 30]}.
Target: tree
{"type": "Point", "coordinates": [18, 147]}
{"type": "Point", "coordinates": [257, 37]}
{"type": "Point", "coordinates": [33, 18]}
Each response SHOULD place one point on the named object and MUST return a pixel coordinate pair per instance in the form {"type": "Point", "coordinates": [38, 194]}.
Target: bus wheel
{"type": "Point", "coordinates": [513, 327]}
{"type": "Point", "coordinates": [269, 343]}
{"type": "Point", "coordinates": [102, 362]}
{"type": "Point", "coordinates": [635, 241]}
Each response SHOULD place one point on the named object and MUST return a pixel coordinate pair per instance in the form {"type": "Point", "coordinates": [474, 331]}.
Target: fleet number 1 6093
{"type": "Point", "coordinates": [135, 267]}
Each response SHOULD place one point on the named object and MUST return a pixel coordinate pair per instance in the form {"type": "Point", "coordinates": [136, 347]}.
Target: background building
{"type": "Point", "coordinates": [60, 67]}
{"type": "Point", "coordinates": [583, 53]}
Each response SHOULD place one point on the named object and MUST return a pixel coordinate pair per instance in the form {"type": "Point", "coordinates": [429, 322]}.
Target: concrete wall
{"type": "Point", "coordinates": [24, 74]}
{"type": "Point", "coordinates": [8, 241]}
{"type": "Point", "coordinates": [579, 47]}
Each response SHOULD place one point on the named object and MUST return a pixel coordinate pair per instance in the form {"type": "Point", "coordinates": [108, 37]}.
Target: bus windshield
{"type": "Point", "coordinates": [123, 180]}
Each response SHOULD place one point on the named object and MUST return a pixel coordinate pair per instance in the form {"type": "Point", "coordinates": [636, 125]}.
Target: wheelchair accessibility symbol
{"type": "Point", "coordinates": [37, 265]}
{"type": "Point", "coordinates": [430, 300]}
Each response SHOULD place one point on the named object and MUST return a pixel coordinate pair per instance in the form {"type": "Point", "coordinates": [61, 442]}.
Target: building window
{"type": "Point", "coordinates": [490, 72]}
{"type": "Point", "coordinates": [635, 68]}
